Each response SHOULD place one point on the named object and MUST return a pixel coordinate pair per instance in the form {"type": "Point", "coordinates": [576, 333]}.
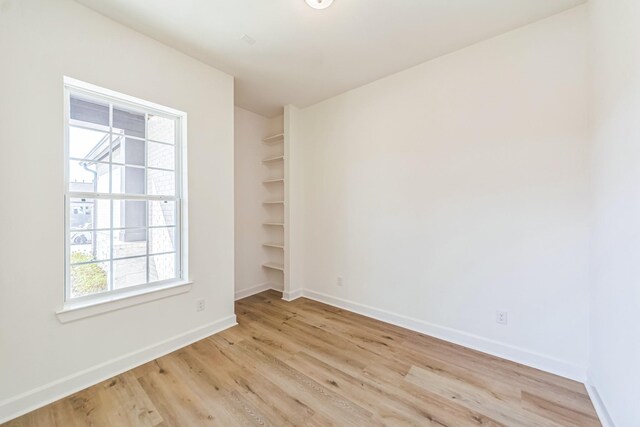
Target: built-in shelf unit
{"type": "Point", "coordinates": [274, 205]}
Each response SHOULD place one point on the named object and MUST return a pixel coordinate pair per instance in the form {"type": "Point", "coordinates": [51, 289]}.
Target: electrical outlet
{"type": "Point", "coordinates": [501, 317]}
{"type": "Point", "coordinates": [200, 305]}
{"type": "Point", "coordinates": [340, 281]}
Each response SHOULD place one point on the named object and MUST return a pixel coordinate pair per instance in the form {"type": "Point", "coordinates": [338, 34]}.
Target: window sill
{"type": "Point", "coordinates": [76, 311]}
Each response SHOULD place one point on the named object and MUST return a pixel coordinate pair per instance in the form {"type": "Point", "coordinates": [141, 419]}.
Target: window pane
{"type": "Point", "coordinates": [88, 144]}
{"type": "Point", "coordinates": [87, 279]}
{"type": "Point", "coordinates": [162, 213]}
{"type": "Point", "coordinates": [128, 150]}
{"type": "Point", "coordinates": [161, 129]}
{"type": "Point", "coordinates": [82, 176]}
{"type": "Point", "coordinates": [89, 246]}
{"type": "Point", "coordinates": [89, 111]}
{"type": "Point", "coordinates": [127, 180]}
{"type": "Point", "coordinates": [129, 213]}
{"type": "Point", "coordinates": [89, 213]}
{"type": "Point", "coordinates": [129, 272]}
{"type": "Point", "coordinates": [162, 267]}
{"type": "Point", "coordinates": [117, 179]}
{"type": "Point", "coordinates": [162, 156]}
{"type": "Point", "coordinates": [134, 152]}
{"type": "Point", "coordinates": [128, 122]}
{"type": "Point", "coordinates": [130, 242]}
{"type": "Point", "coordinates": [161, 183]}
{"type": "Point", "coordinates": [102, 185]}
{"type": "Point", "coordinates": [162, 240]}
{"type": "Point", "coordinates": [88, 177]}
{"type": "Point", "coordinates": [117, 148]}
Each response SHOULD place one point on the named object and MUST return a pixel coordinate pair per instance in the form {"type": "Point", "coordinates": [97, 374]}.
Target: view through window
{"type": "Point", "coordinates": [123, 195]}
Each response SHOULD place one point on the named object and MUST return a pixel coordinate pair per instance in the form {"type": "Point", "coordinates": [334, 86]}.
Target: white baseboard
{"type": "Point", "coordinates": [475, 342]}
{"type": "Point", "coordinates": [598, 404]}
{"type": "Point", "coordinates": [291, 295]}
{"type": "Point", "coordinates": [48, 393]}
{"type": "Point", "coordinates": [255, 290]}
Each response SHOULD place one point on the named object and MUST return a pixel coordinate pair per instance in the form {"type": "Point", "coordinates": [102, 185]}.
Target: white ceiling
{"type": "Point", "coordinates": [301, 55]}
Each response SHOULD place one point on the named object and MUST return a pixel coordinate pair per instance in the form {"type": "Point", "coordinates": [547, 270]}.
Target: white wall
{"type": "Point", "coordinates": [457, 188]}
{"type": "Point", "coordinates": [294, 195]}
{"type": "Point", "coordinates": [615, 322]}
{"type": "Point", "coordinates": [250, 192]}
{"type": "Point", "coordinates": [40, 42]}
{"type": "Point", "coordinates": [250, 128]}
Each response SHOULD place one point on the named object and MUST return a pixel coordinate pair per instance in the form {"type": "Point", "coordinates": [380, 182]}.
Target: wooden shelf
{"type": "Point", "coordinates": [274, 139]}
{"type": "Point", "coordinates": [273, 202]}
{"type": "Point", "coordinates": [273, 159]}
{"type": "Point", "coordinates": [268, 181]}
{"type": "Point", "coordinates": [276, 224]}
{"type": "Point", "coordinates": [273, 266]}
{"type": "Point", "coordinates": [274, 245]}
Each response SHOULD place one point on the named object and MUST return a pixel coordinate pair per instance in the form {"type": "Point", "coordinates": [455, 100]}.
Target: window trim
{"type": "Point", "coordinates": [105, 303]}
{"type": "Point", "coordinates": [73, 86]}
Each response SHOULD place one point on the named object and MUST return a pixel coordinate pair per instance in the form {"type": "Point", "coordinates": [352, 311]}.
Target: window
{"type": "Point", "coordinates": [124, 193]}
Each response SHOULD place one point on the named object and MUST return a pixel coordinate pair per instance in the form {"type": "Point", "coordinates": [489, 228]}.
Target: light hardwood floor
{"type": "Point", "coordinates": [306, 363]}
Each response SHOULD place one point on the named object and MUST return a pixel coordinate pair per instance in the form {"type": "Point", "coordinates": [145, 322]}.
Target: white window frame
{"type": "Point", "coordinates": [76, 87]}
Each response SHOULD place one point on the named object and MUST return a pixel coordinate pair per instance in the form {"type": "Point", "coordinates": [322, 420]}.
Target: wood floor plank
{"type": "Point", "coordinates": [223, 401]}
{"type": "Point", "coordinates": [393, 405]}
{"type": "Point", "coordinates": [554, 411]}
{"type": "Point", "coordinates": [310, 392]}
{"type": "Point", "coordinates": [281, 407]}
{"type": "Point", "coordinates": [177, 402]}
{"type": "Point", "coordinates": [303, 363]}
{"type": "Point", "coordinates": [475, 398]}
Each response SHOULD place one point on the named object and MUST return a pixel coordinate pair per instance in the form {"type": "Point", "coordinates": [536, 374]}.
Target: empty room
{"type": "Point", "coordinates": [320, 213]}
